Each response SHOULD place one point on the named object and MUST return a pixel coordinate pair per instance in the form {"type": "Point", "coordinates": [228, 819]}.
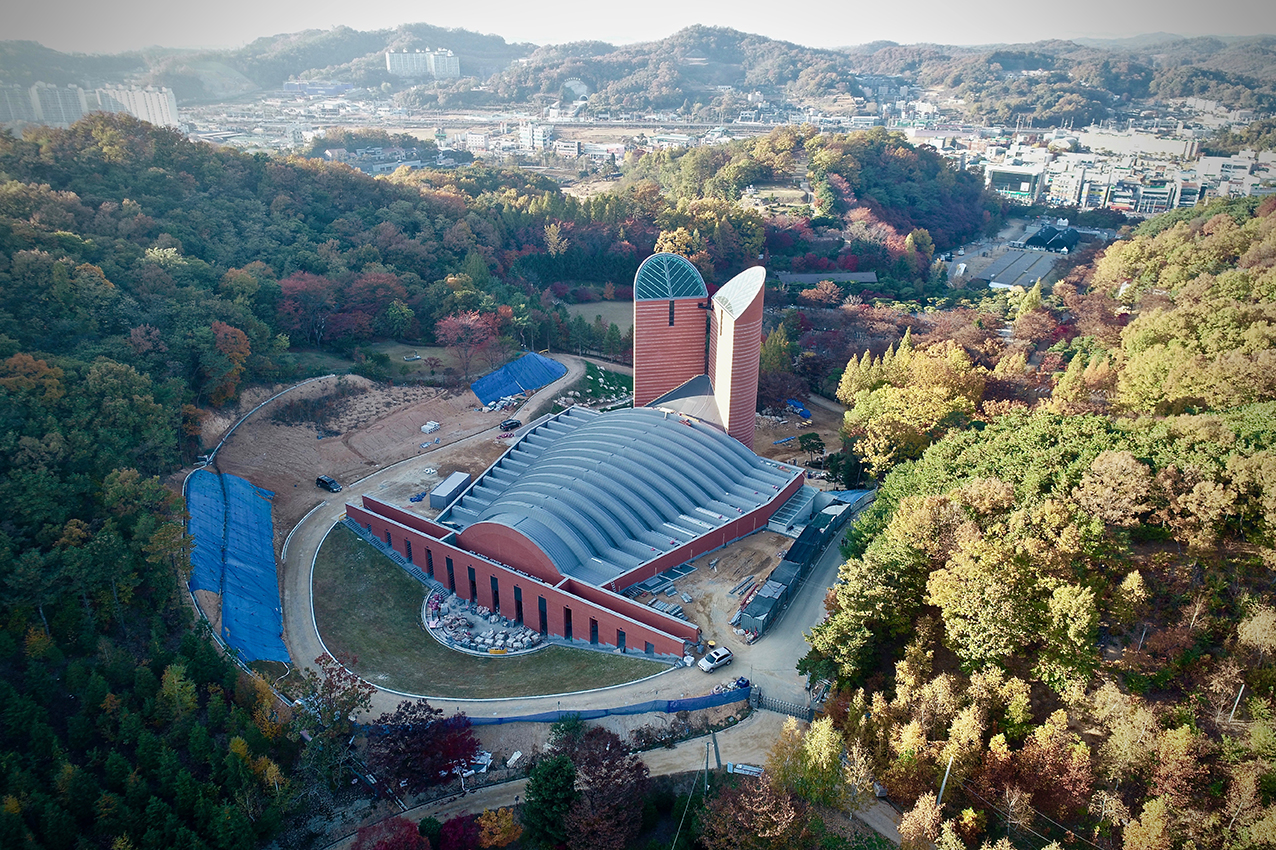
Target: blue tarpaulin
{"type": "Point", "coordinates": [527, 373]}
{"type": "Point", "coordinates": [234, 555]}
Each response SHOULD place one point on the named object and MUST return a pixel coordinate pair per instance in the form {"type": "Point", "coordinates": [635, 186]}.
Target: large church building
{"type": "Point", "coordinates": [584, 504]}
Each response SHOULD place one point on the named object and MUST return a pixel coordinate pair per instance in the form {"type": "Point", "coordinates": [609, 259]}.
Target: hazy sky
{"type": "Point", "coordinates": [94, 26]}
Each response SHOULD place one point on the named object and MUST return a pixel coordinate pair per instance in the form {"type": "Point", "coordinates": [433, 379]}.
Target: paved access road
{"type": "Point", "coordinates": [748, 742]}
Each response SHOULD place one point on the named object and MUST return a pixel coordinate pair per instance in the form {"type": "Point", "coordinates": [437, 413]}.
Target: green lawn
{"type": "Point", "coordinates": [619, 313]}
{"type": "Point", "coordinates": [366, 606]}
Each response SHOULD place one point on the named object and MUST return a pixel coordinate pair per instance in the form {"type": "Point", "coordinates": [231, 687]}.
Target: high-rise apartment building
{"type": "Point", "coordinates": [58, 106]}
{"type": "Point", "coordinates": [439, 64]}
{"type": "Point", "coordinates": [155, 105]}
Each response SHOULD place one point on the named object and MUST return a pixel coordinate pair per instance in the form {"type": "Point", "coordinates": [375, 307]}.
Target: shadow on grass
{"type": "Point", "coordinates": [366, 606]}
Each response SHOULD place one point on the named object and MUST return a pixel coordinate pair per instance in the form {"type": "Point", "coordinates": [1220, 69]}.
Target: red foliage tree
{"type": "Point", "coordinates": [460, 833]}
{"type": "Point", "coordinates": [305, 303]}
{"type": "Point", "coordinates": [392, 834]}
{"type": "Point", "coordinates": [464, 334]}
{"type": "Point", "coordinates": [417, 744]}
{"type": "Point", "coordinates": [608, 781]}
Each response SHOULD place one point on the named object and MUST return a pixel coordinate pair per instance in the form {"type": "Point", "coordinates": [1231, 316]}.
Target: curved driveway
{"type": "Point", "coordinates": [770, 662]}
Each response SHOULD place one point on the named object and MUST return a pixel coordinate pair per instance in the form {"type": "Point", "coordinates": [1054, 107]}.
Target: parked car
{"type": "Point", "coordinates": [720, 657]}
{"type": "Point", "coordinates": [511, 424]}
{"type": "Point", "coordinates": [326, 482]}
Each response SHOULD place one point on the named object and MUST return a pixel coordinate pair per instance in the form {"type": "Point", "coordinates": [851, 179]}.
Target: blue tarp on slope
{"type": "Point", "coordinates": [234, 555]}
{"type": "Point", "coordinates": [527, 373]}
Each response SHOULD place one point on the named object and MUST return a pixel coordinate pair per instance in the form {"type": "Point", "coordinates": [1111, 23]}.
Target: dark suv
{"type": "Point", "coordinates": [328, 483]}
{"type": "Point", "coordinates": [511, 424]}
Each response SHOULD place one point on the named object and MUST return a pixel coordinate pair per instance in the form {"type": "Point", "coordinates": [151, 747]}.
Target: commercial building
{"type": "Point", "coordinates": [1020, 182]}
{"type": "Point", "coordinates": [535, 137]}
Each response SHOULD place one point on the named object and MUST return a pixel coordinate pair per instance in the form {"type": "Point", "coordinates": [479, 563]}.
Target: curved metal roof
{"type": "Point", "coordinates": [738, 293]}
{"type": "Point", "coordinates": [663, 277]}
{"type": "Point", "coordinates": [607, 492]}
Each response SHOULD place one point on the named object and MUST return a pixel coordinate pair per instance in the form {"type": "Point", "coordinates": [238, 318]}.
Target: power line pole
{"type": "Point", "coordinates": [944, 784]}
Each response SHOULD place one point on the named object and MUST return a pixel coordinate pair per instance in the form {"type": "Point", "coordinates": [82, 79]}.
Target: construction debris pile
{"type": "Point", "coordinates": [467, 626]}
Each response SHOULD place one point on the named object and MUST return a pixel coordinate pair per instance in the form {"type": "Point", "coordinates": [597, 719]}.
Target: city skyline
{"type": "Point", "coordinates": [71, 26]}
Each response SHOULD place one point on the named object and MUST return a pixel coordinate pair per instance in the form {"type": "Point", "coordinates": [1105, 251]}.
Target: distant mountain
{"type": "Point", "coordinates": [1134, 42]}
{"type": "Point", "coordinates": [265, 63]}
{"type": "Point", "coordinates": [688, 67]}
{"type": "Point", "coordinates": [710, 67]}
{"type": "Point", "coordinates": [27, 62]}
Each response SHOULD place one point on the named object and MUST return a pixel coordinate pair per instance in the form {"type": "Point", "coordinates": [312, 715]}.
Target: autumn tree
{"type": "Point", "coordinates": [818, 767]}
{"type": "Point", "coordinates": [223, 363]}
{"type": "Point", "coordinates": [331, 698]}
{"type": "Point", "coordinates": [498, 828]}
{"type": "Point", "coordinates": [919, 828]}
{"type": "Point", "coordinates": [306, 303]}
{"type": "Point", "coordinates": [390, 834]}
{"type": "Point", "coordinates": [464, 334]}
{"type": "Point", "coordinates": [753, 814]}
{"type": "Point", "coordinates": [607, 781]}
{"type": "Point", "coordinates": [416, 744]}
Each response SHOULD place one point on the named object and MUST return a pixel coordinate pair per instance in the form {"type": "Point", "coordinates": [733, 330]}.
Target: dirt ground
{"type": "Point", "coordinates": [376, 428]}
{"type": "Point", "coordinates": [826, 423]}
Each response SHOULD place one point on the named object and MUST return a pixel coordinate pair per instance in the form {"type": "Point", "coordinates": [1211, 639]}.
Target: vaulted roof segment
{"type": "Point", "coordinates": [600, 494]}
{"type": "Point", "coordinates": [667, 277]}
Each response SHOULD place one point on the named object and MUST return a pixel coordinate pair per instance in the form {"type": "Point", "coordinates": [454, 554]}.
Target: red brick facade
{"type": "Point", "coordinates": [669, 346]}
{"type": "Point", "coordinates": [524, 575]}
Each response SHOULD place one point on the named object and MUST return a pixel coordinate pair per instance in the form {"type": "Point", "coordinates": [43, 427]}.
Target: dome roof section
{"type": "Point", "coordinates": [666, 277]}
{"type": "Point", "coordinates": [600, 494]}
{"type": "Point", "coordinates": [739, 292]}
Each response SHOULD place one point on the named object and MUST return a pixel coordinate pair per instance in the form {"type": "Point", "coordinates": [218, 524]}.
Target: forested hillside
{"type": "Point", "coordinates": [1069, 597]}
{"type": "Point", "coordinates": [678, 71]}
{"type": "Point", "coordinates": [1062, 587]}
{"type": "Point", "coordinates": [1061, 81]}
{"type": "Point", "coordinates": [145, 279]}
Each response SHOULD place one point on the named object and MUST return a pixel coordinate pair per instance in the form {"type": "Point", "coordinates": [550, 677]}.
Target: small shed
{"type": "Point", "coordinates": [447, 490]}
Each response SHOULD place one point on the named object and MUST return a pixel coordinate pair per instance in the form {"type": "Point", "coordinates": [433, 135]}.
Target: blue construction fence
{"type": "Point", "coordinates": [668, 706]}
{"type": "Point", "coordinates": [527, 373]}
{"type": "Point", "coordinates": [234, 556]}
